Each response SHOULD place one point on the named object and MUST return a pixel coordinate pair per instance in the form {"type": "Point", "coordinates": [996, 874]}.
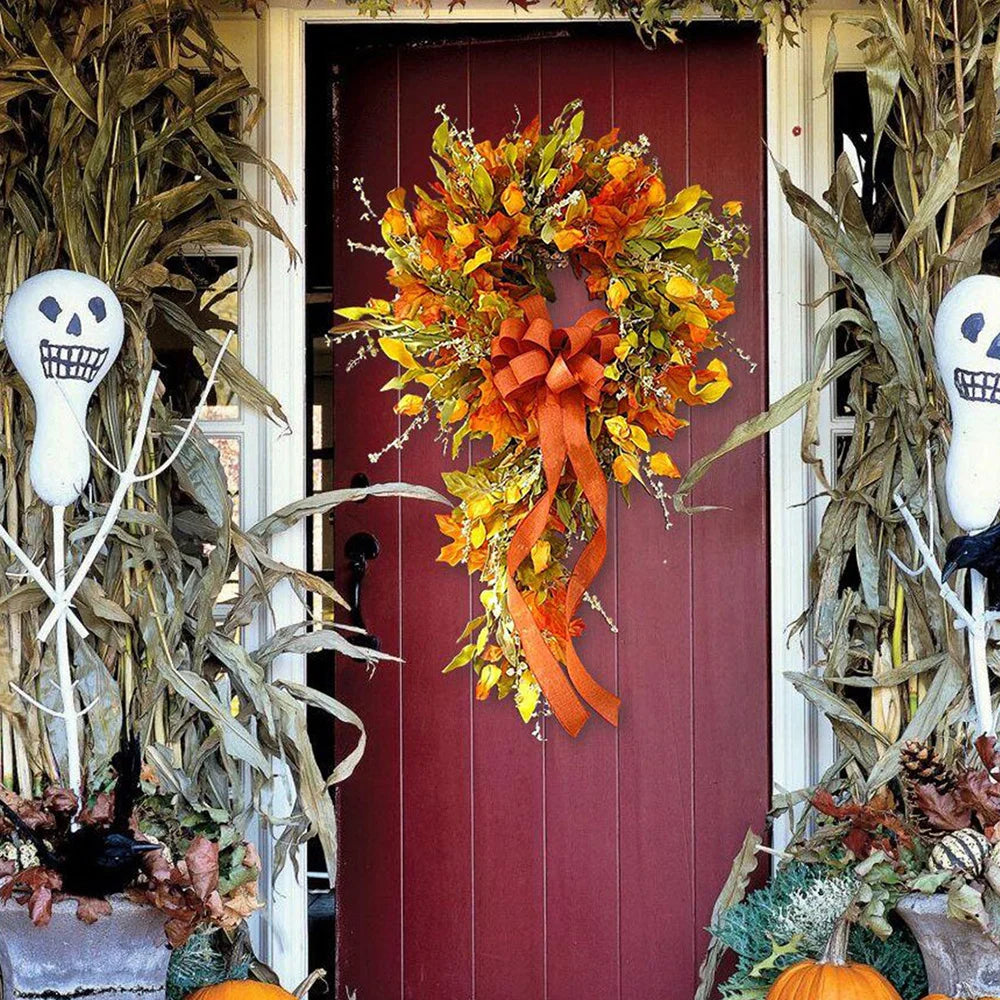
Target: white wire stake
{"type": "Point", "coordinates": [976, 621]}
{"type": "Point", "coordinates": [977, 655]}
{"type": "Point", "coordinates": [126, 479]}
{"type": "Point", "coordinates": [70, 721]}
{"type": "Point", "coordinates": [61, 594]}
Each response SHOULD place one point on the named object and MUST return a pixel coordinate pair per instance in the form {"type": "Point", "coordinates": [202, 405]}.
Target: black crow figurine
{"type": "Point", "coordinates": [980, 552]}
{"type": "Point", "coordinates": [92, 860]}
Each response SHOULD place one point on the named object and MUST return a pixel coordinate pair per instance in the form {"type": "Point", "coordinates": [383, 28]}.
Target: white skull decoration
{"type": "Point", "coordinates": [967, 344]}
{"type": "Point", "coordinates": [63, 331]}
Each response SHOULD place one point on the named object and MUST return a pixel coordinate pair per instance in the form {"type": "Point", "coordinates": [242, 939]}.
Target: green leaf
{"type": "Point", "coordinates": [778, 952]}
{"type": "Point", "coordinates": [482, 185]}
{"type": "Point", "coordinates": [439, 141]}
{"type": "Point", "coordinates": [461, 658]}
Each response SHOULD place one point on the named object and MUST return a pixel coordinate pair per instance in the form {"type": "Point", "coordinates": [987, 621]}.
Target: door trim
{"type": "Point", "coordinates": [790, 266]}
{"type": "Point", "coordinates": [788, 278]}
{"type": "Point", "coordinates": [800, 137]}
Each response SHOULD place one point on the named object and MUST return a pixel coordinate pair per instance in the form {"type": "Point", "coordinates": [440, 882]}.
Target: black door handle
{"type": "Point", "coordinates": [360, 549]}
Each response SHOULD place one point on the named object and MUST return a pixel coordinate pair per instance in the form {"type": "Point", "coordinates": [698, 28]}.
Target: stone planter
{"type": "Point", "coordinates": [123, 956]}
{"type": "Point", "coordinates": [961, 961]}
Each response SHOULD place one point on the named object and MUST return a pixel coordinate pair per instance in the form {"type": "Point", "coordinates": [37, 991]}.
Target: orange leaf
{"type": "Point", "coordinates": [512, 199]}
{"type": "Point", "coordinates": [566, 239]}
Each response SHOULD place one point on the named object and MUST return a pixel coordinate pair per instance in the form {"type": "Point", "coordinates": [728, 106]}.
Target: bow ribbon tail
{"type": "Point", "coordinates": [559, 693]}
{"type": "Point", "coordinates": [595, 488]}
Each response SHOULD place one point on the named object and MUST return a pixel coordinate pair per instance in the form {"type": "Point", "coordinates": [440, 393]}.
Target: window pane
{"type": "Point", "coordinates": [853, 136]}
{"type": "Point", "coordinates": [321, 386]}
{"type": "Point", "coordinates": [321, 552]}
{"type": "Point", "coordinates": [229, 455]}
{"type": "Point", "coordinates": [212, 304]}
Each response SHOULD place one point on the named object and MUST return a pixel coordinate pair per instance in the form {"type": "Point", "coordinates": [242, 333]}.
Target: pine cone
{"type": "Point", "coordinates": [922, 765]}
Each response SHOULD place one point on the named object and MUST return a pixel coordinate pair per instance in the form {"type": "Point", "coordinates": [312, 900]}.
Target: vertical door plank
{"type": "Point", "coordinates": [508, 844]}
{"type": "Point", "coordinates": [655, 621]}
{"type": "Point", "coordinates": [731, 633]}
{"type": "Point", "coordinates": [581, 775]}
{"type": "Point", "coordinates": [437, 808]}
{"type": "Point", "coordinates": [369, 805]}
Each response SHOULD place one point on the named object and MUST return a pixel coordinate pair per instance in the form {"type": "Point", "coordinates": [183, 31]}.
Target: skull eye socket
{"type": "Point", "coordinates": [972, 326]}
{"type": "Point", "coordinates": [97, 308]}
{"type": "Point", "coordinates": [49, 308]}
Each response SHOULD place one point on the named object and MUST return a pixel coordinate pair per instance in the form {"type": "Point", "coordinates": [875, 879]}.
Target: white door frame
{"type": "Point", "coordinates": [798, 135]}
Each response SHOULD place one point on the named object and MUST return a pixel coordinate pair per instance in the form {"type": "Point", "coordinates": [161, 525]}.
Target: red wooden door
{"type": "Point", "coordinates": [477, 861]}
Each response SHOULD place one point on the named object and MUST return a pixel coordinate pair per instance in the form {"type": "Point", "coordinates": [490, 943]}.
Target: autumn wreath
{"type": "Point", "coordinates": [566, 409]}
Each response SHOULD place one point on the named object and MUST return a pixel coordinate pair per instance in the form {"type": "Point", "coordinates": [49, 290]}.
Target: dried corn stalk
{"type": "Point", "coordinates": [121, 145]}
{"type": "Point", "coordinates": [932, 78]}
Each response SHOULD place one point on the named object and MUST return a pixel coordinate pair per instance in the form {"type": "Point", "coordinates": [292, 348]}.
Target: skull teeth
{"type": "Point", "coordinates": [71, 361]}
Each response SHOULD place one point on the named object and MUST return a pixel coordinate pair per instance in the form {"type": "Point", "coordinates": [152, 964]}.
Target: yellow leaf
{"type": "Point", "coordinates": [478, 535]}
{"type": "Point", "coordinates": [638, 435]}
{"type": "Point", "coordinates": [693, 316]}
{"type": "Point", "coordinates": [541, 555]}
{"type": "Point", "coordinates": [578, 207]}
{"type": "Point", "coordinates": [409, 405]}
{"type": "Point", "coordinates": [732, 208]}
{"type": "Point", "coordinates": [526, 695]}
{"type": "Point", "coordinates": [483, 256]}
{"type": "Point", "coordinates": [480, 507]}
{"type": "Point", "coordinates": [713, 391]}
{"type": "Point", "coordinates": [379, 306]}
{"type": "Point", "coordinates": [622, 350]}
{"type": "Point", "coordinates": [234, 707]}
{"type": "Point", "coordinates": [397, 198]}
{"type": "Point", "coordinates": [461, 409]}
{"type": "Point", "coordinates": [679, 287]}
{"type": "Point", "coordinates": [620, 166]}
{"type": "Point", "coordinates": [617, 293]}
{"type": "Point", "coordinates": [617, 427]}
{"type": "Point", "coordinates": [663, 465]}
{"type": "Point", "coordinates": [488, 678]}
{"type": "Point", "coordinates": [684, 201]}
{"type": "Point", "coordinates": [462, 235]}
{"type": "Point", "coordinates": [397, 351]}
{"type": "Point", "coordinates": [512, 199]}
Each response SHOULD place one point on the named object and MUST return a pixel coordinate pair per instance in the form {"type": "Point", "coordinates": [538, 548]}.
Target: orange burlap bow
{"type": "Point", "coordinates": [556, 373]}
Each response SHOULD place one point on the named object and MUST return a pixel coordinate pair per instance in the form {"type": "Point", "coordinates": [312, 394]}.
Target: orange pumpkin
{"type": "Point", "coordinates": [833, 977]}
{"type": "Point", "coordinates": [242, 989]}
